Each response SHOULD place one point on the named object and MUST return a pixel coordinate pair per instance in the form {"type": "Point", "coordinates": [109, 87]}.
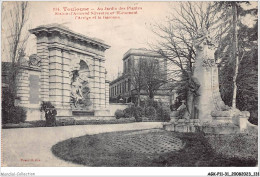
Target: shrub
{"type": "Point", "coordinates": [20, 113]}
{"type": "Point", "coordinates": [163, 113]}
{"type": "Point", "coordinates": [50, 113]}
{"type": "Point", "coordinates": [138, 113]}
{"type": "Point", "coordinates": [152, 103]}
{"type": "Point", "coordinates": [17, 114]}
{"type": "Point", "coordinates": [253, 117]}
{"type": "Point", "coordinates": [10, 112]}
{"type": "Point", "coordinates": [150, 112]}
{"type": "Point", "coordinates": [129, 112]}
{"type": "Point", "coordinates": [119, 113]}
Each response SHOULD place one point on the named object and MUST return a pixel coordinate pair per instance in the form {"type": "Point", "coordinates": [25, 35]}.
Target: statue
{"type": "Point", "coordinates": [76, 87]}
{"type": "Point", "coordinates": [192, 98]}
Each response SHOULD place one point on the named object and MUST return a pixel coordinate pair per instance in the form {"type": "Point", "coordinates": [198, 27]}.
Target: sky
{"type": "Point", "coordinates": [130, 31]}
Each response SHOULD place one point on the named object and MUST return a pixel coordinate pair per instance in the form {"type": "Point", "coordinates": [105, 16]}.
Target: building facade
{"type": "Point", "coordinates": [68, 70]}
{"type": "Point", "coordinates": [122, 89]}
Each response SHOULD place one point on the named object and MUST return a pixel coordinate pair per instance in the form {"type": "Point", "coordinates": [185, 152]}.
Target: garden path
{"type": "Point", "coordinates": [24, 147]}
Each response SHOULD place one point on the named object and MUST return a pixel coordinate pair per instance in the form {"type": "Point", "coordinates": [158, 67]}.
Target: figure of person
{"type": "Point", "coordinates": [193, 94]}
{"type": "Point", "coordinates": [50, 115]}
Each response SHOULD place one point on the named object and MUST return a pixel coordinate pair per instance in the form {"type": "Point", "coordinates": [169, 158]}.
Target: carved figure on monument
{"type": "Point", "coordinates": [204, 45]}
{"type": "Point", "coordinates": [76, 87]}
{"type": "Point", "coordinates": [34, 60]}
{"type": "Point", "coordinates": [192, 98]}
{"type": "Point", "coordinates": [80, 92]}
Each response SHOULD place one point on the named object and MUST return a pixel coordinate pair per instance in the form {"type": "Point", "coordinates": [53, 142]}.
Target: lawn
{"type": "Point", "coordinates": [156, 148]}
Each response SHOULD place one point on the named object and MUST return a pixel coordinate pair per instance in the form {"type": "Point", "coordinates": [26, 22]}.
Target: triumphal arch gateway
{"type": "Point", "coordinates": [68, 70]}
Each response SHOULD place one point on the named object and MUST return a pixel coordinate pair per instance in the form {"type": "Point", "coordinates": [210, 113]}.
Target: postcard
{"type": "Point", "coordinates": [130, 84]}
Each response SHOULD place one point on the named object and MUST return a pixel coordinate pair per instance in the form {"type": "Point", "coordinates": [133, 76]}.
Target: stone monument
{"type": "Point", "coordinates": [204, 104]}
{"type": "Point", "coordinates": [68, 70]}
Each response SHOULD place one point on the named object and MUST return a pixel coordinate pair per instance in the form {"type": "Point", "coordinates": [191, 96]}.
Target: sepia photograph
{"type": "Point", "coordinates": [130, 84]}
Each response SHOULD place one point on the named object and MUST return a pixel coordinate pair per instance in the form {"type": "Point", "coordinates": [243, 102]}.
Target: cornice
{"type": "Point", "coordinates": [73, 49]}
{"type": "Point", "coordinates": [141, 52]}
{"type": "Point", "coordinates": [65, 32]}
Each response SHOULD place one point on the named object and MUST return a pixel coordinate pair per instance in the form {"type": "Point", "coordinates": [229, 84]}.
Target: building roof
{"type": "Point", "coordinates": [6, 66]}
{"type": "Point", "coordinates": [117, 79]}
{"type": "Point", "coordinates": [141, 52]}
{"type": "Point", "coordinates": [66, 31]}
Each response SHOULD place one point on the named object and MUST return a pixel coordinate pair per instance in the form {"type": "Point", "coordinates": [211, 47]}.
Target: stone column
{"type": "Point", "coordinates": [107, 94]}
{"type": "Point", "coordinates": [91, 96]}
{"type": "Point", "coordinates": [91, 81]}
{"type": "Point", "coordinates": [23, 87]}
{"type": "Point", "coordinates": [66, 80]}
{"type": "Point", "coordinates": [43, 53]}
{"type": "Point", "coordinates": [96, 96]}
{"type": "Point", "coordinates": [56, 78]}
{"type": "Point", "coordinates": [102, 85]}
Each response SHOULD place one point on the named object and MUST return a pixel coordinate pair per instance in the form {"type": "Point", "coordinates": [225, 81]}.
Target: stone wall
{"type": "Point", "coordinates": [28, 90]}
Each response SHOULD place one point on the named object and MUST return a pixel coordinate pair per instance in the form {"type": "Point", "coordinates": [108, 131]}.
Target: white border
{"type": "Point", "coordinates": [125, 171]}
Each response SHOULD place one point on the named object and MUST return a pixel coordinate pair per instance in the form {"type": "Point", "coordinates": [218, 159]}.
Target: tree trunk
{"type": "Point", "coordinates": [151, 95]}
{"type": "Point", "coordinates": [235, 53]}
{"type": "Point", "coordinates": [138, 98]}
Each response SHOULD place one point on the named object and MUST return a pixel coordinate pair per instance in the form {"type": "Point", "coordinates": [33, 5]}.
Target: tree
{"type": "Point", "coordinates": [137, 79]}
{"type": "Point", "coordinates": [230, 28]}
{"type": "Point", "coordinates": [147, 74]}
{"type": "Point", "coordinates": [15, 17]}
{"type": "Point", "coordinates": [154, 74]}
{"type": "Point", "coordinates": [241, 70]}
{"type": "Point", "coordinates": [175, 39]}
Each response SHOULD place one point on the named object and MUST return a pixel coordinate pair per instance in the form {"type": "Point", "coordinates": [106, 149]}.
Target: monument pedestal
{"type": "Point", "coordinates": [183, 125]}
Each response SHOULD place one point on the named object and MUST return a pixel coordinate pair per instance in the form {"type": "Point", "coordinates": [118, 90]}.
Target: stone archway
{"type": "Point", "coordinates": [61, 50]}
